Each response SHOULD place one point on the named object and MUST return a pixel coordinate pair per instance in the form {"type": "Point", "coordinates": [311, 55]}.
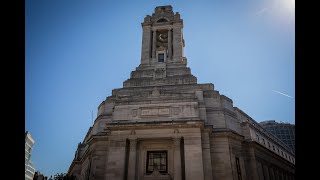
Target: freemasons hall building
{"type": "Point", "coordinates": [163, 125]}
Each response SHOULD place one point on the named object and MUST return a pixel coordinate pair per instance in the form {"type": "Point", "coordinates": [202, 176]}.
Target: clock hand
{"type": "Point", "coordinates": [160, 37]}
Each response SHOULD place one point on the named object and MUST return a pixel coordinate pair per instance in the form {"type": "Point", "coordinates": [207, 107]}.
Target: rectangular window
{"type": "Point", "coordinates": [160, 57]}
{"type": "Point", "coordinates": [157, 160]}
{"type": "Point", "coordinates": [238, 168]}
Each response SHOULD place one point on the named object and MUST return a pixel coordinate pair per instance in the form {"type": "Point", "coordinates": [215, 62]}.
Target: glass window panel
{"type": "Point", "coordinates": [157, 160]}
{"type": "Point", "coordinates": [160, 57]}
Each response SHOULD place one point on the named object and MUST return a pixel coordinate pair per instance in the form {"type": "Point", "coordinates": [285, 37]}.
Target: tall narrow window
{"type": "Point", "coordinates": [160, 57]}
{"type": "Point", "coordinates": [157, 160]}
{"type": "Point", "coordinates": [238, 168]}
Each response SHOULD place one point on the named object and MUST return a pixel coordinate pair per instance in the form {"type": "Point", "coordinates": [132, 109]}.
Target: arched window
{"type": "Point", "coordinates": [162, 20]}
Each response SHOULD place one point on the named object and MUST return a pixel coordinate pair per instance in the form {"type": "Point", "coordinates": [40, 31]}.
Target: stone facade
{"type": "Point", "coordinates": [164, 125]}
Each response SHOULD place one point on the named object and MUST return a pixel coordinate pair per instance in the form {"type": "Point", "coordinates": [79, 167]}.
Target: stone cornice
{"type": "Point", "coordinates": [84, 155]}
{"type": "Point", "coordinates": [224, 110]}
{"type": "Point", "coordinates": [262, 148]}
{"type": "Point", "coordinates": [242, 113]}
{"type": "Point", "coordinates": [258, 128]}
{"type": "Point", "coordinates": [73, 163]}
{"type": "Point", "coordinates": [95, 138]}
{"type": "Point", "coordinates": [223, 132]}
{"type": "Point", "coordinates": [226, 98]}
{"type": "Point", "coordinates": [155, 125]}
{"type": "Point", "coordinates": [103, 116]}
{"type": "Point", "coordinates": [181, 87]}
{"type": "Point", "coordinates": [87, 135]}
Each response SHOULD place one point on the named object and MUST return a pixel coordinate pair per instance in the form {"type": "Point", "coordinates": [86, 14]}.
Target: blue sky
{"type": "Point", "coordinates": [76, 52]}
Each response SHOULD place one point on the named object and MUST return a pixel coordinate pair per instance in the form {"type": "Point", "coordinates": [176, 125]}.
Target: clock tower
{"type": "Point", "coordinates": [162, 39]}
{"type": "Point", "coordinates": [162, 55]}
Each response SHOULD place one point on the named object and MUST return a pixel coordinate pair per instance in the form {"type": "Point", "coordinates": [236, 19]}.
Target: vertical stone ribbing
{"type": "Point", "coordinates": [116, 160]}
{"type": "Point", "coordinates": [177, 42]}
{"type": "Point", "coordinates": [169, 45]}
{"type": "Point", "coordinates": [146, 43]}
{"type": "Point", "coordinates": [154, 44]}
{"type": "Point", "coordinates": [132, 159]}
{"type": "Point", "coordinates": [177, 159]}
{"type": "Point", "coordinates": [193, 158]}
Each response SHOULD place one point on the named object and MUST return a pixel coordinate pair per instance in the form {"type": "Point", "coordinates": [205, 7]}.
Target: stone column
{"type": "Point", "coordinates": [169, 45]}
{"type": "Point", "coordinates": [154, 44]}
{"type": "Point", "coordinates": [206, 156]}
{"type": "Point", "coordinates": [146, 45]}
{"type": "Point", "coordinates": [266, 172]}
{"type": "Point", "coordinates": [132, 159]}
{"type": "Point", "coordinates": [115, 167]}
{"type": "Point", "coordinates": [193, 158]}
{"type": "Point", "coordinates": [276, 173]}
{"type": "Point", "coordinates": [177, 158]}
{"type": "Point", "coordinates": [272, 177]}
{"type": "Point", "coordinates": [252, 164]}
{"type": "Point", "coordinates": [281, 175]}
{"type": "Point", "coordinates": [260, 171]}
{"type": "Point", "coordinates": [177, 42]}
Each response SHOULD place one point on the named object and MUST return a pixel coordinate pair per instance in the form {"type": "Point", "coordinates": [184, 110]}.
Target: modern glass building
{"type": "Point", "coordinates": [283, 131]}
{"type": "Point", "coordinates": [29, 167]}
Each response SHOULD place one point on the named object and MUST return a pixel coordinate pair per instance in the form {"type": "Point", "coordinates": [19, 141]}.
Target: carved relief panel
{"type": "Point", "coordinates": [154, 111]}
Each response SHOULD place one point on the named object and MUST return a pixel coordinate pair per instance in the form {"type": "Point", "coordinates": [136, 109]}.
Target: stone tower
{"type": "Point", "coordinates": [164, 125]}
{"type": "Point", "coordinates": [162, 39]}
{"type": "Point", "coordinates": [162, 55]}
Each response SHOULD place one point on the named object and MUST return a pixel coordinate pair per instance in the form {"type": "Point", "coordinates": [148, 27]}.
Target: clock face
{"type": "Point", "coordinates": [162, 37]}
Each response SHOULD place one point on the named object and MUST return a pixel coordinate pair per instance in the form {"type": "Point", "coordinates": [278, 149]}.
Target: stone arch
{"type": "Point", "coordinates": [163, 19]}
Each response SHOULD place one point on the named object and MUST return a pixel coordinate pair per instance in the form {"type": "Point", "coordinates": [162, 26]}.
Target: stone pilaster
{"type": "Point", "coordinates": [266, 172]}
{"type": "Point", "coordinates": [193, 158]}
{"type": "Point", "coordinates": [177, 42]}
{"type": "Point", "coordinates": [271, 173]}
{"type": "Point", "coordinates": [177, 158]}
{"type": "Point", "coordinates": [276, 172]}
{"type": "Point", "coordinates": [252, 164]}
{"type": "Point", "coordinates": [260, 171]}
{"type": "Point", "coordinates": [281, 175]}
{"type": "Point", "coordinates": [115, 168]}
{"type": "Point", "coordinates": [169, 45]}
{"type": "Point", "coordinates": [154, 44]}
{"type": "Point", "coordinates": [207, 166]}
{"type": "Point", "coordinates": [132, 159]}
{"type": "Point", "coordinates": [146, 45]}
